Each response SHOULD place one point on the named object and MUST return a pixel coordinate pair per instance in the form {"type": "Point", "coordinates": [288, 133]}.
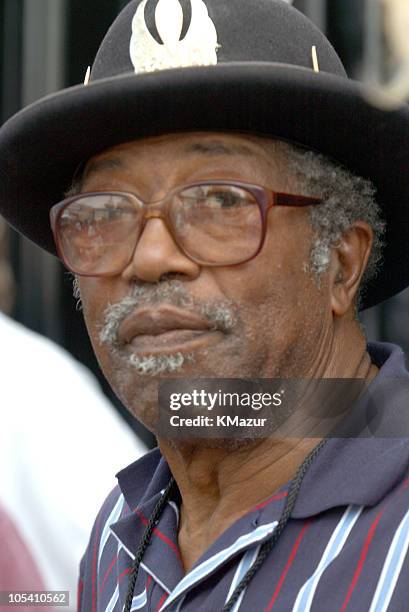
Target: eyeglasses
{"type": "Point", "coordinates": [216, 223]}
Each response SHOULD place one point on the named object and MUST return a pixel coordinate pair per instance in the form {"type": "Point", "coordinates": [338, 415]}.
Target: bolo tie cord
{"type": "Point", "coordinates": [268, 546]}
{"type": "Point", "coordinates": [265, 549]}
{"type": "Point", "coordinates": [144, 543]}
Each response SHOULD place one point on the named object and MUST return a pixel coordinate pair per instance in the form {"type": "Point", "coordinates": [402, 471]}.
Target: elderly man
{"type": "Point", "coordinates": [209, 240]}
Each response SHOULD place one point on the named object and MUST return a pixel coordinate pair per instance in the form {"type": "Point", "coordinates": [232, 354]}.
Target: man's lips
{"type": "Point", "coordinates": [148, 322]}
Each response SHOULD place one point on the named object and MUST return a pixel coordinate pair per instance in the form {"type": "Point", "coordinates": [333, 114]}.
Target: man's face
{"type": "Point", "coordinates": [165, 315]}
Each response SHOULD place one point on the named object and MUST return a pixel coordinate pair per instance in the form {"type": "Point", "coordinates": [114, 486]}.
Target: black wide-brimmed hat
{"type": "Point", "coordinates": [169, 66]}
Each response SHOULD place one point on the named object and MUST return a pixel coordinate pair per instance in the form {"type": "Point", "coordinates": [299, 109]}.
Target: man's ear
{"type": "Point", "coordinates": [348, 263]}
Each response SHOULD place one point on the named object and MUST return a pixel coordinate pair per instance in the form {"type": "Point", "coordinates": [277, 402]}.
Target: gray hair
{"type": "Point", "coordinates": [347, 198]}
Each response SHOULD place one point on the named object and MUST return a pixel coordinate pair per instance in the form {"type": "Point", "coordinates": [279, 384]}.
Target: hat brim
{"type": "Point", "coordinates": [42, 146]}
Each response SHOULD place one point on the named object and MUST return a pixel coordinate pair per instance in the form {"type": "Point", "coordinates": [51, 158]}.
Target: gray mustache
{"type": "Point", "coordinates": [221, 314]}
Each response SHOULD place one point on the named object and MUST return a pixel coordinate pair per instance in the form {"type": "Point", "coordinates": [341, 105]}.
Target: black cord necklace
{"type": "Point", "coordinates": [144, 543]}
{"type": "Point", "coordinates": [265, 549]}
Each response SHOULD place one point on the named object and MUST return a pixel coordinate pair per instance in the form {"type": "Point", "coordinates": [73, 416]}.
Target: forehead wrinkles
{"type": "Point", "coordinates": [158, 164]}
{"type": "Point", "coordinates": [200, 145]}
{"type": "Point", "coordinates": [98, 165]}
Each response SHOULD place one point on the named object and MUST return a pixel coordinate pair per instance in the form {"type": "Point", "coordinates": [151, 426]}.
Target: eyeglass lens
{"type": "Point", "coordinates": [214, 224]}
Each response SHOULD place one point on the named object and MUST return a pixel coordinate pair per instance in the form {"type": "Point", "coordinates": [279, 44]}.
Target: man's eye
{"type": "Point", "coordinates": [106, 214]}
{"type": "Point", "coordinates": [224, 199]}
{"type": "Point", "coordinates": [216, 198]}
{"type": "Point", "coordinates": [98, 217]}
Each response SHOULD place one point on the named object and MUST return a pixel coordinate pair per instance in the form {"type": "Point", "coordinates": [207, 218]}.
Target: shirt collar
{"type": "Point", "coordinates": [142, 484]}
{"type": "Point", "coordinates": [141, 481]}
{"type": "Point", "coordinates": [362, 470]}
{"type": "Point", "coordinates": [347, 471]}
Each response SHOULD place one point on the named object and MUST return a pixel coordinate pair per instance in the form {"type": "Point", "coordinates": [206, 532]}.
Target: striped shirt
{"type": "Point", "coordinates": [345, 546]}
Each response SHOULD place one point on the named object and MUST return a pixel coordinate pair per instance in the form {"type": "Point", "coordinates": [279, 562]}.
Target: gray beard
{"type": "Point", "coordinates": [153, 365]}
{"type": "Point", "coordinates": [220, 314]}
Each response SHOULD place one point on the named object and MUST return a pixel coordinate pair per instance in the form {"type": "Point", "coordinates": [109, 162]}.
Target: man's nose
{"type": "Point", "coordinates": [157, 254]}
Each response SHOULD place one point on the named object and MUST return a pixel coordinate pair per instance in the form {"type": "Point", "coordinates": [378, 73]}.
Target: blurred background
{"type": "Point", "coordinates": [46, 45]}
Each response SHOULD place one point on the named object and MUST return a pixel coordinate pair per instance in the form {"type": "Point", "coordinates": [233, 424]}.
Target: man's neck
{"type": "Point", "coordinates": [220, 485]}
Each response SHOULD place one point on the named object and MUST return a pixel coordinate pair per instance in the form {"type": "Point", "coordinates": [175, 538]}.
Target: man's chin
{"type": "Point", "coordinates": [155, 366]}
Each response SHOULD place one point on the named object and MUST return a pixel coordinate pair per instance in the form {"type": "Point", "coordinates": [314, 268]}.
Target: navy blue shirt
{"type": "Point", "coordinates": [345, 546]}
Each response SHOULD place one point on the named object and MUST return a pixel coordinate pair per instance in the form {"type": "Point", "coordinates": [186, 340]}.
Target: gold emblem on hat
{"type": "Point", "coordinates": [198, 47]}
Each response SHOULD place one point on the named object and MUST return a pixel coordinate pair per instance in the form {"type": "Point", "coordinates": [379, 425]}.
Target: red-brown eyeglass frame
{"type": "Point", "coordinates": [264, 197]}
